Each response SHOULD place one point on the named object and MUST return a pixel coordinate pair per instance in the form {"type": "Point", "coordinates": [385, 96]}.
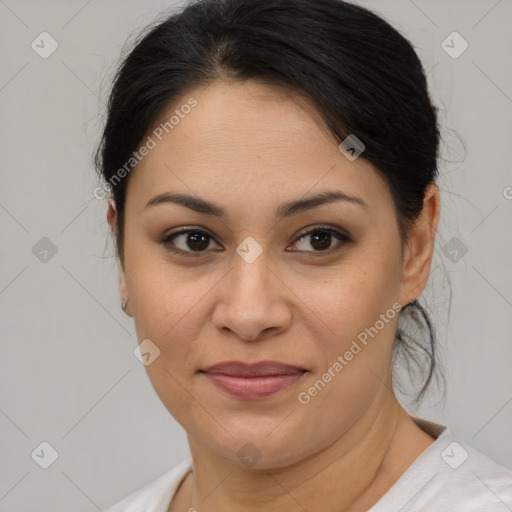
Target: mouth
{"type": "Point", "coordinates": [253, 381]}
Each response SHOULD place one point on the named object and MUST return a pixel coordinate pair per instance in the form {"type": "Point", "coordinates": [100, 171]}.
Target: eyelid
{"type": "Point", "coordinates": [322, 227]}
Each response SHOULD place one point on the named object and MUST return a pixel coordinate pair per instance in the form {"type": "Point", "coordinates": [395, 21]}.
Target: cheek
{"type": "Point", "coordinates": [168, 310]}
{"type": "Point", "coordinates": [361, 312]}
{"type": "Point", "coordinates": [365, 286]}
{"type": "Point", "coordinates": [163, 295]}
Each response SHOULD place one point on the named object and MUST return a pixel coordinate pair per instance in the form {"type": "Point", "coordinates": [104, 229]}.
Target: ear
{"type": "Point", "coordinates": [123, 287]}
{"type": "Point", "coordinates": [419, 249]}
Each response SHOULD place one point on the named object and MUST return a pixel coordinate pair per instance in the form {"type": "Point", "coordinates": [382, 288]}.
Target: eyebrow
{"type": "Point", "coordinates": [285, 210]}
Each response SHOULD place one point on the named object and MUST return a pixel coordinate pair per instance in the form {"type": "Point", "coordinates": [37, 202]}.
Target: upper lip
{"type": "Point", "coordinates": [261, 368]}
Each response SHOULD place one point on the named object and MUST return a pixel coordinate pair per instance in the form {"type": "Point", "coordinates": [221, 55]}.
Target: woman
{"type": "Point", "coordinates": [272, 169]}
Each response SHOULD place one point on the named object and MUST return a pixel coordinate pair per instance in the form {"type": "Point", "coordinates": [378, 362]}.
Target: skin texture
{"type": "Point", "coordinates": [249, 147]}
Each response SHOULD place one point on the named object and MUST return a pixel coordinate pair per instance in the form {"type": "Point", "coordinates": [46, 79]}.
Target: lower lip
{"type": "Point", "coordinates": [252, 388]}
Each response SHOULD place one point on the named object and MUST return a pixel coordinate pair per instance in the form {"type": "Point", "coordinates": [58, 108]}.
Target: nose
{"type": "Point", "coordinates": [254, 301]}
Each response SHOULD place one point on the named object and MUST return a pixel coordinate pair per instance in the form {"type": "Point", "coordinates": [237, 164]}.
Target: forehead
{"type": "Point", "coordinates": [249, 140]}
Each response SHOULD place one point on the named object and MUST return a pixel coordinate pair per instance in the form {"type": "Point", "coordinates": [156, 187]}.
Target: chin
{"type": "Point", "coordinates": [258, 449]}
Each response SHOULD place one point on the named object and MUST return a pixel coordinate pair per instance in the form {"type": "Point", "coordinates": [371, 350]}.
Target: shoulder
{"type": "Point", "coordinates": [470, 478]}
{"type": "Point", "coordinates": [156, 495]}
{"type": "Point", "coordinates": [451, 475]}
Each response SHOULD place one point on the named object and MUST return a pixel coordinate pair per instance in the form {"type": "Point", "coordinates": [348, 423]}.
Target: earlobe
{"type": "Point", "coordinates": [112, 215]}
{"type": "Point", "coordinates": [420, 246]}
{"type": "Point", "coordinates": [123, 291]}
{"type": "Point", "coordinates": [123, 287]}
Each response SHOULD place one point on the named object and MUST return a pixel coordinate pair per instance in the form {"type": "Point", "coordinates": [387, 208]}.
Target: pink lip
{"type": "Point", "coordinates": [253, 381]}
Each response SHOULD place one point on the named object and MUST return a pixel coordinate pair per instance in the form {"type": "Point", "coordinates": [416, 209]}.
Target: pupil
{"type": "Point", "coordinates": [197, 241]}
{"type": "Point", "coordinates": [324, 238]}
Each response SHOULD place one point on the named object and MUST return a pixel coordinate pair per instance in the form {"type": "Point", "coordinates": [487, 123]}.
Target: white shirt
{"type": "Point", "coordinates": [449, 476]}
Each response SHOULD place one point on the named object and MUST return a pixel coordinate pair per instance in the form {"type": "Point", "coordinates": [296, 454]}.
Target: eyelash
{"type": "Point", "coordinates": [343, 239]}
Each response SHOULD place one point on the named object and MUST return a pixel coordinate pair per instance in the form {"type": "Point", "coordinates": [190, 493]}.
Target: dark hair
{"type": "Point", "coordinates": [360, 73]}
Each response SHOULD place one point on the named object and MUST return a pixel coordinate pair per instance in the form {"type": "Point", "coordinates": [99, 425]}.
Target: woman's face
{"type": "Point", "coordinates": [257, 284]}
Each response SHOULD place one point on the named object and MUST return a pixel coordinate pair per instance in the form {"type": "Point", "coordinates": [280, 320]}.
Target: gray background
{"type": "Point", "coordinates": [68, 375]}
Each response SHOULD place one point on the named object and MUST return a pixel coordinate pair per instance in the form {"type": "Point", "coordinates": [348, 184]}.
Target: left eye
{"type": "Point", "coordinates": [194, 242]}
{"type": "Point", "coordinates": [321, 239]}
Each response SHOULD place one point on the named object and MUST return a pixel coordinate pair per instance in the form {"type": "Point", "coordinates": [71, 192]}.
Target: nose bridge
{"type": "Point", "coordinates": [250, 275]}
{"type": "Point", "coordinates": [250, 301]}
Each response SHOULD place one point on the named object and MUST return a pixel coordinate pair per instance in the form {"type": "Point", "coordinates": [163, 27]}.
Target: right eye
{"type": "Point", "coordinates": [187, 242]}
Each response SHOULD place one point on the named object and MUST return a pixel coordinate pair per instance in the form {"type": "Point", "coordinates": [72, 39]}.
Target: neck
{"type": "Point", "coordinates": [354, 472]}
